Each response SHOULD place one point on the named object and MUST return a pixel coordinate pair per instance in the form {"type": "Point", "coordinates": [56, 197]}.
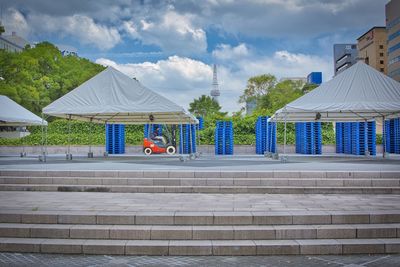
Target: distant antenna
{"type": "Point", "coordinates": [215, 90]}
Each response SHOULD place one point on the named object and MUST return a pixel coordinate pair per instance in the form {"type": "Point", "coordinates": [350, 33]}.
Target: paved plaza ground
{"type": "Point", "coordinates": [206, 162]}
{"type": "Point", "coordinates": [18, 259]}
{"type": "Point", "coordinates": [175, 204]}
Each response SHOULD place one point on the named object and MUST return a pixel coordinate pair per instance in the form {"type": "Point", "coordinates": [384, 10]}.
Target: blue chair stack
{"type": "Point", "coordinates": [308, 138]}
{"type": "Point", "coordinates": [265, 135]}
{"type": "Point", "coordinates": [224, 138]}
{"type": "Point", "coordinates": [200, 126]}
{"type": "Point", "coordinates": [371, 132]}
{"type": "Point", "coordinates": [115, 138]}
{"type": "Point", "coordinates": [355, 137]}
{"type": "Point", "coordinates": [392, 136]}
{"type": "Point", "coordinates": [187, 134]}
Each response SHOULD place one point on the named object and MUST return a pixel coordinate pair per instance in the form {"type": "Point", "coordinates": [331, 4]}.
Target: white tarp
{"type": "Point", "coordinates": [113, 97]}
{"type": "Point", "coordinates": [357, 94]}
{"type": "Point", "coordinates": [13, 114]}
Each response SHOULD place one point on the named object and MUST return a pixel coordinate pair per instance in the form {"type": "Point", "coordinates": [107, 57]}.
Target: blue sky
{"type": "Point", "coordinates": [170, 46]}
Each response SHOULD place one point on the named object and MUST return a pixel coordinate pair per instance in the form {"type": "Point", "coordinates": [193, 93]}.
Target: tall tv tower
{"type": "Point", "coordinates": [215, 91]}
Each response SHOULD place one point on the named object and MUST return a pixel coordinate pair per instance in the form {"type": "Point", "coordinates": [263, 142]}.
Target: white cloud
{"type": "Point", "coordinates": [14, 21]}
{"type": "Point", "coordinates": [84, 28]}
{"type": "Point", "coordinates": [173, 33]}
{"type": "Point", "coordinates": [88, 32]}
{"type": "Point", "coordinates": [182, 79]}
{"type": "Point", "coordinates": [227, 52]}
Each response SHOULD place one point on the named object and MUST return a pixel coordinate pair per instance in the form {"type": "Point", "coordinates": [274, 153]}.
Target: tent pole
{"type": "Point", "coordinates": [284, 141]}
{"type": "Point", "coordinates": [383, 137]}
{"type": "Point", "coordinates": [45, 141]}
{"type": "Point", "coordinates": [90, 155]}
{"type": "Point", "coordinates": [41, 157]}
{"type": "Point", "coordinates": [190, 140]}
{"type": "Point", "coordinates": [69, 138]}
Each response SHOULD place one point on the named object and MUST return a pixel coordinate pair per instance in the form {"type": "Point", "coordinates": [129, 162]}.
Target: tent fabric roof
{"type": "Point", "coordinates": [13, 114]}
{"type": "Point", "coordinates": [113, 97]}
{"type": "Point", "coordinates": [357, 94]}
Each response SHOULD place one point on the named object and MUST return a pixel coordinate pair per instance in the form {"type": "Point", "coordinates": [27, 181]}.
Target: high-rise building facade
{"type": "Point", "coordinates": [392, 11]}
{"type": "Point", "coordinates": [344, 56]}
{"type": "Point", "coordinates": [372, 48]}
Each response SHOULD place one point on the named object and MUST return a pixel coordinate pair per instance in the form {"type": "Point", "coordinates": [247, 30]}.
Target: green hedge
{"type": "Point", "coordinates": [244, 128]}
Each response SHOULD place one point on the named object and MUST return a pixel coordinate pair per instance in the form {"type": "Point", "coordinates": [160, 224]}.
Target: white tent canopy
{"type": "Point", "coordinates": [13, 114]}
{"type": "Point", "coordinates": [359, 93]}
{"type": "Point", "coordinates": [113, 97]}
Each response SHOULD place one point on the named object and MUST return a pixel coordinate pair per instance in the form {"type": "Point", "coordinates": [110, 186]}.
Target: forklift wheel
{"type": "Point", "coordinates": [171, 150]}
{"type": "Point", "coordinates": [147, 151]}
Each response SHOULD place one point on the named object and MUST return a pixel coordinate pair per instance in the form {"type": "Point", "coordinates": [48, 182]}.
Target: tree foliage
{"type": "Point", "coordinates": [37, 76]}
{"type": "Point", "coordinates": [204, 106]}
{"type": "Point", "coordinates": [257, 86]}
{"type": "Point", "coordinates": [280, 95]}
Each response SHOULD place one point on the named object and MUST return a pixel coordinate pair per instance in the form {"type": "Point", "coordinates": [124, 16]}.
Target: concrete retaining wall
{"type": "Point", "coordinates": [99, 150]}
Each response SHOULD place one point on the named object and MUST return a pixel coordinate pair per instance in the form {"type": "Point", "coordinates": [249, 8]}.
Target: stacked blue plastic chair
{"type": "Point", "coordinates": [224, 138]}
{"type": "Point", "coordinates": [115, 138]}
{"type": "Point", "coordinates": [347, 142]}
{"type": "Point", "coordinates": [187, 138]}
{"type": "Point", "coordinates": [261, 134]}
{"type": "Point", "coordinates": [271, 144]}
{"type": "Point", "coordinates": [308, 138]}
{"type": "Point", "coordinates": [355, 137]}
{"type": "Point", "coordinates": [392, 136]}
{"type": "Point", "coordinates": [200, 126]}
{"type": "Point", "coordinates": [265, 135]}
{"type": "Point", "coordinates": [149, 128]}
{"type": "Point", "coordinates": [371, 132]}
{"type": "Point", "coordinates": [339, 137]}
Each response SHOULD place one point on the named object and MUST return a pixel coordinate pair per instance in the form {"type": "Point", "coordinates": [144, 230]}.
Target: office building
{"type": "Point", "coordinates": [314, 78]}
{"type": "Point", "coordinates": [392, 11]}
{"type": "Point", "coordinates": [344, 56]}
{"type": "Point", "coordinates": [12, 43]}
{"type": "Point", "coordinates": [372, 48]}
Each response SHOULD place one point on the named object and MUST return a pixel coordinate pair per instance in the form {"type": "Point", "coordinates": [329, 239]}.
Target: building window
{"type": "Point", "coordinates": [381, 47]}
{"type": "Point", "coordinates": [382, 69]}
{"type": "Point", "coordinates": [381, 54]}
{"type": "Point", "coordinates": [381, 61]}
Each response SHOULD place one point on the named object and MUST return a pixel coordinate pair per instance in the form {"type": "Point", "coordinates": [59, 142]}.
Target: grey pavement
{"type": "Point", "coordinates": [140, 202]}
{"type": "Point", "coordinates": [18, 259]}
{"type": "Point", "coordinates": [206, 162]}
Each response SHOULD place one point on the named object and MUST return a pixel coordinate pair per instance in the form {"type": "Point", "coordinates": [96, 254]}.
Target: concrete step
{"type": "Point", "coordinates": [186, 232]}
{"type": "Point", "coordinates": [316, 182]}
{"type": "Point", "coordinates": [201, 218]}
{"type": "Point", "coordinates": [202, 247]}
{"type": "Point", "coordinates": [203, 174]}
{"type": "Point", "coordinates": [204, 189]}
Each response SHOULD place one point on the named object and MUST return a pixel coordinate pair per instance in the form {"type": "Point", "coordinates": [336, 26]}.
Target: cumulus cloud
{"type": "Point", "coordinates": [81, 27]}
{"type": "Point", "coordinates": [173, 33]}
{"type": "Point", "coordinates": [227, 52]}
{"type": "Point", "coordinates": [182, 79]}
{"type": "Point", "coordinates": [14, 21]}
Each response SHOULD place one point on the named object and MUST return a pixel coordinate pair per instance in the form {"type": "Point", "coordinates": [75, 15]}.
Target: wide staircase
{"type": "Point", "coordinates": [215, 182]}
{"type": "Point", "coordinates": [319, 229]}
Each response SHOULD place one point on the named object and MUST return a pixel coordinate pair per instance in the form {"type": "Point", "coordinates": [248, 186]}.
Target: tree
{"type": "Point", "coordinates": [204, 106]}
{"type": "Point", "coordinates": [257, 86]}
{"type": "Point", "coordinates": [281, 94]}
{"type": "Point", "coordinates": [309, 87]}
{"type": "Point", "coordinates": [37, 76]}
